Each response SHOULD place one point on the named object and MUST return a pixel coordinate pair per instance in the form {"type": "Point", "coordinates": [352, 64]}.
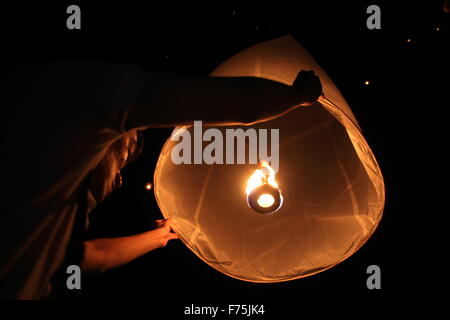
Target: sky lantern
{"type": "Point", "coordinates": [285, 217]}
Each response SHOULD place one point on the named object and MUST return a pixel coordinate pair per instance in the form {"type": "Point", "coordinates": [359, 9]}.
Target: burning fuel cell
{"type": "Point", "coordinates": [263, 194]}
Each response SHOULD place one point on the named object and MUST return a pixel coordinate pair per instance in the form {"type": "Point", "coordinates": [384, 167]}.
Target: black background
{"type": "Point", "coordinates": [399, 112]}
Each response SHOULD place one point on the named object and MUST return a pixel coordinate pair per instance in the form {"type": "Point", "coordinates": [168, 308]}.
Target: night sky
{"type": "Point", "coordinates": [399, 111]}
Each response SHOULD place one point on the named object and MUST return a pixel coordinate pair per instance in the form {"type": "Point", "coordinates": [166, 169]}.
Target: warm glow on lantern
{"type": "Point", "coordinates": [329, 178]}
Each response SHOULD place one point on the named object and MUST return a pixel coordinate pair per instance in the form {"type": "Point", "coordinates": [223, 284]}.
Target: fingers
{"type": "Point", "coordinates": [159, 223]}
{"type": "Point", "coordinates": [168, 235]}
{"type": "Point", "coordinates": [172, 236]}
{"type": "Point", "coordinates": [164, 226]}
{"type": "Point", "coordinates": [308, 83]}
{"type": "Point", "coordinates": [164, 223]}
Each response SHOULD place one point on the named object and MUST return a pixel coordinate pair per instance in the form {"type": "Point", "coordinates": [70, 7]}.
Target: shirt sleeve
{"type": "Point", "coordinates": [59, 121]}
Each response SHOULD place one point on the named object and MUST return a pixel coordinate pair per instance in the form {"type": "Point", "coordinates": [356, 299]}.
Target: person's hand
{"type": "Point", "coordinates": [164, 231]}
{"type": "Point", "coordinates": [309, 85]}
{"type": "Point", "coordinates": [106, 253]}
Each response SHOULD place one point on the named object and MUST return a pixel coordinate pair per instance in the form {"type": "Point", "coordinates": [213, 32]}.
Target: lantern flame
{"type": "Point", "coordinates": [259, 177]}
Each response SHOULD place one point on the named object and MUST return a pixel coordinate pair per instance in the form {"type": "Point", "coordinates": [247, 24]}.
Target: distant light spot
{"type": "Point", "coordinates": [148, 186]}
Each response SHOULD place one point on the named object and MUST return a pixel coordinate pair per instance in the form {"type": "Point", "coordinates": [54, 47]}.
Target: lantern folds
{"type": "Point", "coordinates": [332, 186]}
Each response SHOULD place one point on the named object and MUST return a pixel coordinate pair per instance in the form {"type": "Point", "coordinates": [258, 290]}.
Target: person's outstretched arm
{"type": "Point", "coordinates": [107, 253]}
{"type": "Point", "coordinates": [169, 100]}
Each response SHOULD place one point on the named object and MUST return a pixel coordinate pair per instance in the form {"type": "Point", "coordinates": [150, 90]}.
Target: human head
{"type": "Point", "coordinates": [106, 175]}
